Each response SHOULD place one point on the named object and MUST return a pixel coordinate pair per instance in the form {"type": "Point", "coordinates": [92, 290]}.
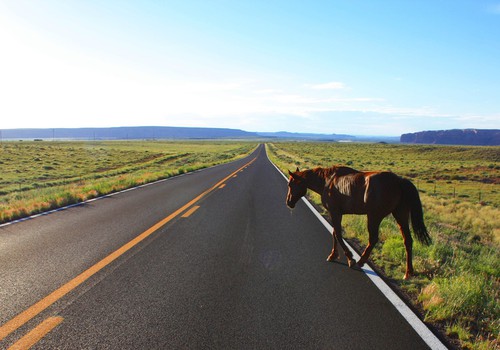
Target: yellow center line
{"type": "Point", "coordinates": [37, 333]}
{"type": "Point", "coordinates": [22, 318]}
{"type": "Point", "coordinates": [190, 211]}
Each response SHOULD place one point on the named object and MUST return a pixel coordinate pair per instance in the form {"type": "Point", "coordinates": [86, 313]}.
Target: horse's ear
{"type": "Point", "coordinates": [297, 169]}
{"type": "Point", "coordinates": [293, 175]}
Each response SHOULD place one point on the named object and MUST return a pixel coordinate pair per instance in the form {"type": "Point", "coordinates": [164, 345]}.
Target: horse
{"type": "Point", "coordinates": [377, 194]}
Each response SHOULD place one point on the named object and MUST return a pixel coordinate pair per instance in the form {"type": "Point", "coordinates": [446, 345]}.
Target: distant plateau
{"type": "Point", "coordinates": [484, 137]}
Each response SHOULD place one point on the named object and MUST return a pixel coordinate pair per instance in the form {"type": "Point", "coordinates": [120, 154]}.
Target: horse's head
{"type": "Point", "coordinates": [297, 188]}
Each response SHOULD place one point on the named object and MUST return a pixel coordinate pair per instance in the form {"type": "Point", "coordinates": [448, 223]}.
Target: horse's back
{"type": "Point", "coordinates": [346, 193]}
{"type": "Point", "coordinates": [354, 192]}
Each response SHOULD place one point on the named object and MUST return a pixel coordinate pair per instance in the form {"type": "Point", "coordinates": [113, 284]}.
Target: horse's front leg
{"type": "Point", "coordinates": [337, 237]}
{"type": "Point", "coordinates": [334, 254]}
{"type": "Point", "coordinates": [373, 227]}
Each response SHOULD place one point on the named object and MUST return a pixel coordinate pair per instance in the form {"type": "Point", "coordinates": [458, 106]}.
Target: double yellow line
{"type": "Point", "coordinates": [25, 316]}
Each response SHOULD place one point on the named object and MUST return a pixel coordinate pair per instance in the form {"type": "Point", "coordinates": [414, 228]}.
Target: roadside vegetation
{"type": "Point", "coordinates": [457, 286]}
{"type": "Point", "coordinates": [39, 176]}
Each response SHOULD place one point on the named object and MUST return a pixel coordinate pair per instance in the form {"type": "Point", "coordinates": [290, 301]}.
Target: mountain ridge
{"type": "Point", "coordinates": [159, 132]}
{"type": "Point", "coordinates": [127, 133]}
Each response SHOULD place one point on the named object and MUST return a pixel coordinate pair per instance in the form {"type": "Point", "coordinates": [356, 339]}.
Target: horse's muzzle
{"type": "Point", "coordinates": [290, 204]}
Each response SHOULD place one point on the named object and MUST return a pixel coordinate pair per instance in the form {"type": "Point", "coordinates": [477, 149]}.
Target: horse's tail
{"type": "Point", "coordinates": [410, 193]}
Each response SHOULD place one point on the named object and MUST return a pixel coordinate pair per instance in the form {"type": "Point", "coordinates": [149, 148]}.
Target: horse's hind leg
{"type": "Point", "coordinates": [401, 215]}
{"type": "Point", "coordinates": [373, 226]}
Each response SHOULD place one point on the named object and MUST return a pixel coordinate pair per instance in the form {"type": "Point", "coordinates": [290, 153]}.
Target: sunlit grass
{"type": "Point", "coordinates": [458, 276]}
{"type": "Point", "coordinates": [40, 176]}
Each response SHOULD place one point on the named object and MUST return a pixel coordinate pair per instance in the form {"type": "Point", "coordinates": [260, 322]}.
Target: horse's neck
{"type": "Point", "coordinates": [316, 179]}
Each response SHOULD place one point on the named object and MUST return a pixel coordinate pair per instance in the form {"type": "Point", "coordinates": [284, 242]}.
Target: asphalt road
{"type": "Point", "coordinates": [234, 268]}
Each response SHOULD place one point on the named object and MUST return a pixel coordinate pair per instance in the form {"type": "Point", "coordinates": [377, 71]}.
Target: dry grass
{"type": "Point", "coordinates": [39, 176]}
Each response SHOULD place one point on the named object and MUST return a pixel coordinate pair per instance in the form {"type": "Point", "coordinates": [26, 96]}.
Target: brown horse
{"type": "Point", "coordinates": [344, 190]}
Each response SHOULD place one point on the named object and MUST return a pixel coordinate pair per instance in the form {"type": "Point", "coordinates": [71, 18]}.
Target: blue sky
{"type": "Point", "coordinates": [360, 67]}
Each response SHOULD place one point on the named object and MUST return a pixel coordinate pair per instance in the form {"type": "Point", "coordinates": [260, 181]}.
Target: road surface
{"type": "Point", "coordinates": [208, 260]}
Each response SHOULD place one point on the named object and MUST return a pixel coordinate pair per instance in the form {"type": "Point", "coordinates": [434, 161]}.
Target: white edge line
{"type": "Point", "coordinates": [416, 323]}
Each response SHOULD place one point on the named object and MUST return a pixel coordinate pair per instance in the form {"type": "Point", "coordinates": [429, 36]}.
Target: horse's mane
{"type": "Point", "coordinates": [336, 170]}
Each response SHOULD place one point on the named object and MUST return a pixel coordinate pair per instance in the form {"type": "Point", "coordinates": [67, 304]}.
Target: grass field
{"type": "Point", "coordinates": [39, 176]}
{"type": "Point", "coordinates": [457, 285]}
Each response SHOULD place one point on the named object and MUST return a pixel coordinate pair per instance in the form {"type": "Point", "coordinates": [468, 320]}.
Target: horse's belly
{"type": "Point", "coordinates": [354, 206]}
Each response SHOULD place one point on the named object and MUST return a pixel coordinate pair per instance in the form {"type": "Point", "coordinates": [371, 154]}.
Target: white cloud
{"type": "Point", "coordinates": [355, 99]}
{"type": "Point", "coordinates": [333, 85]}
{"type": "Point", "coordinates": [267, 91]}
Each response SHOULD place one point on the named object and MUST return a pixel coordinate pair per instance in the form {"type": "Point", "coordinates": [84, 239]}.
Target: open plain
{"type": "Point", "coordinates": [457, 281]}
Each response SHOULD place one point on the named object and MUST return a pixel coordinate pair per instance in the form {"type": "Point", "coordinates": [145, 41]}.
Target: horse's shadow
{"type": "Point", "coordinates": [356, 268]}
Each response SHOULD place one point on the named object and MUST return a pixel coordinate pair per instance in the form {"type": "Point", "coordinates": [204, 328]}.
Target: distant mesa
{"type": "Point", "coordinates": [475, 137]}
{"type": "Point", "coordinates": [127, 133]}
{"type": "Point", "coordinates": [159, 132]}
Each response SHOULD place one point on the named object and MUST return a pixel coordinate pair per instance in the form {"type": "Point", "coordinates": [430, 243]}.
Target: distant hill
{"type": "Point", "coordinates": [174, 133]}
{"type": "Point", "coordinates": [477, 137]}
{"type": "Point", "coordinates": [124, 133]}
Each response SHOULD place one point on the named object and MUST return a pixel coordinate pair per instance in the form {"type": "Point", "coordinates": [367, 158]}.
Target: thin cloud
{"type": "Point", "coordinates": [267, 91]}
{"type": "Point", "coordinates": [333, 85]}
{"type": "Point", "coordinates": [355, 99]}
{"type": "Point", "coordinates": [495, 9]}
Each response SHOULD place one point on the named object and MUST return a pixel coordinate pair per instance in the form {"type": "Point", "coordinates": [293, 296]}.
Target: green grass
{"type": "Point", "coordinates": [458, 277]}
{"type": "Point", "coordinates": [39, 176]}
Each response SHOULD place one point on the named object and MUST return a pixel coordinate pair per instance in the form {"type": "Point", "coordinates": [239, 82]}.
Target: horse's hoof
{"type": "Point", "coordinates": [332, 257]}
{"type": "Point", "coordinates": [407, 276]}
{"type": "Point", "coordinates": [352, 263]}
{"type": "Point", "coordinates": [361, 263]}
